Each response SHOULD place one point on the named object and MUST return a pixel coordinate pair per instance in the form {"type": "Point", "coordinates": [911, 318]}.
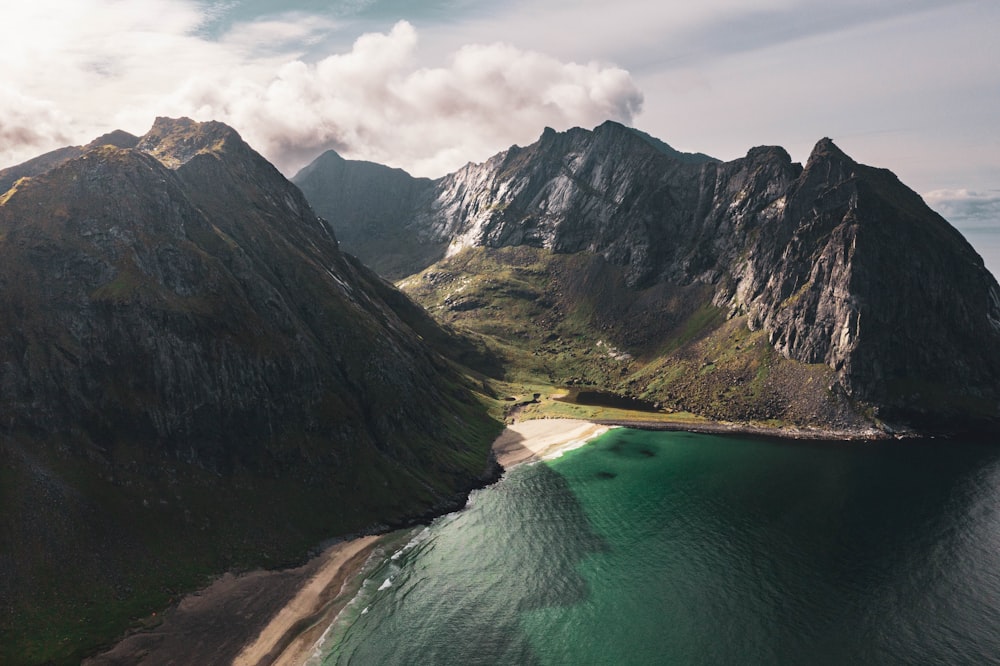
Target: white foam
{"type": "Point", "coordinates": [386, 585]}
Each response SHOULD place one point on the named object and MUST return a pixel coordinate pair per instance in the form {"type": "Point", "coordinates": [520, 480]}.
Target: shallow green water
{"type": "Point", "coordinates": [676, 548]}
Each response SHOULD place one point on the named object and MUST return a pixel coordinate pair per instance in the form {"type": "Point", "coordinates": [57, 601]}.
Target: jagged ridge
{"type": "Point", "coordinates": [839, 264]}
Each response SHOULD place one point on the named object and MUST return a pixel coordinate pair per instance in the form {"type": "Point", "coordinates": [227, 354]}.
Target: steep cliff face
{"type": "Point", "coordinates": [193, 376]}
{"type": "Point", "coordinates": [857, 273]}
{"type": "Point", "coordinates": [838, 264]}
{"type": "Point", "coordinates": [609, 192]}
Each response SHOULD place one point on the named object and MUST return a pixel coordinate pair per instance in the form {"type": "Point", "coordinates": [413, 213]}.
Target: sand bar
{"type": "Point", "coordinates": [539, 439]}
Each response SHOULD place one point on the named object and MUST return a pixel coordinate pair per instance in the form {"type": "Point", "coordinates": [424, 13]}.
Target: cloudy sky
{"type": "Point", "coordinates": [911, 85]}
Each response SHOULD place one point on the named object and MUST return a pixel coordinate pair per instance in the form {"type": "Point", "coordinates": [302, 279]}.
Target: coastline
{"type": "Point", "coordinates": [541, 439]}
{"type": "Point", "coordinates": [276, 617]}
{"type": "Point", "coordinates": [248, 618]}
{"type": "Point", "coordinates": [723, 428]}
{"type": "Point", "coordinates": [290, 635]}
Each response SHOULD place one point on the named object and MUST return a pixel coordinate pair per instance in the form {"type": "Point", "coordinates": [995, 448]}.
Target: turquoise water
{"type": "Point", "coordinates": [677, 548]}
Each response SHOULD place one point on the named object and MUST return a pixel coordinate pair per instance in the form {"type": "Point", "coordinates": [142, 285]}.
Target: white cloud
{"type": "Point", "coordinates": [89, 63]}
{"type": "Point", "coordinates": [976, 213]}
{"type": "Point", "coordinates": [76, 70]}
{"type": "Point", "coordinates": [966, 207]}
{"type": "Point", "coordinates": [288, 33]}
{"type": "Point", "coordinates": [374, 102]}
{"type": "Point", "coordinates": [29, 124]}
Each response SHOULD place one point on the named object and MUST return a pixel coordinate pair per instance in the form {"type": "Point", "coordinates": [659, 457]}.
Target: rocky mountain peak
{"type": "Point", "coordinates": [175, 141]}
{"type": "Point", "coordinates": [829, 260]}
{"type": "Point", "coordinates": [828, 163]}
{"type": "Point", "coordinates": [180, 333]}
{"type": "Point", "coordinates": [825, 148]}
{"type": "Point", "coordinates": [117, 138]}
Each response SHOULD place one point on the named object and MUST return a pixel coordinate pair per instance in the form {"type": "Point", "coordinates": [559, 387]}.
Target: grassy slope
{"type": "Point", "coordinates": [569, 320]}
{"type": "Point", "coordinates": [185, 526]}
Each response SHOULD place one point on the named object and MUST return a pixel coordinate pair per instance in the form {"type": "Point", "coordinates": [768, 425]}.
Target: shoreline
{"type": "Point", "coordinates": [291, 634]}
{"type": "Point", "coordinates": [791, 433]}
{"type": "Point", "coordinates": [251, 618]}
{"type": "Point", "coordinates": [265, 618]}
{"type": "Point", "coordinates": [281, 645]}
{"type": "Point", "coordinates": [543, 439]}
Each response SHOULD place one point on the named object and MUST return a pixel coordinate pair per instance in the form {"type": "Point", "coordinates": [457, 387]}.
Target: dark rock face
{"type": "Point", "coordinates": [367, 203]}
{"type": "Point", "coordinates": [571, 192]}
{"type": "Point", "coordinates": [839, 263]}
{"type": "Point", "coordinates": [857, 273]}
{"type": "Point", "coordinates": [187, 270]}
{"type": "Point", "coordinates": [176, 324]}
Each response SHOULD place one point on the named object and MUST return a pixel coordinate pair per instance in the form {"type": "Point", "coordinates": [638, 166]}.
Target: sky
{"type": "Point", "coordinates": [909, 85]}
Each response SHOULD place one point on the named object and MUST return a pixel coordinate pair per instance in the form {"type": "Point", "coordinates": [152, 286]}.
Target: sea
{"type": "Point", "coordinates": [679, 548]}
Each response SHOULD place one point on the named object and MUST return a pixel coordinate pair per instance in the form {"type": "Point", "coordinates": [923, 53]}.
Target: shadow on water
{"type": "Point", "coordinates": [457, 597]}
{"type": "Point", "coordinates": [699, 549]}
{"type": "Point", "coordinates": [771, 551]}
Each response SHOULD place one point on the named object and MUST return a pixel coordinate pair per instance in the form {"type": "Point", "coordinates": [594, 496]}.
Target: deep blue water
{"type": "Point", "coordinates": [678, 548]}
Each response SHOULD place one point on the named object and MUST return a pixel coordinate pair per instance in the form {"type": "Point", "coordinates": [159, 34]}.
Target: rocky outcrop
{"type": "Point", "coordinates": [571, 192]}
{"type": "Point", "coordinates": [189, 291]}
{"type": "Point", "coordinates": [851, 269]}
{"type": "Point", "coordinates": [43, 163]}
{"type": "Point", "coordinates": [193, 376]}
{"type": "Point", "coordinates": [839, 263]}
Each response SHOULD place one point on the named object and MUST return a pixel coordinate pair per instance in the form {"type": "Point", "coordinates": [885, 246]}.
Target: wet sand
{"type": "Point", "coordinates": [290, 636]}
{"type": "Point", "coordinates": [253, 618]}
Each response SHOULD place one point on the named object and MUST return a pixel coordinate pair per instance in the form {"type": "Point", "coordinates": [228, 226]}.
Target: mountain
{"type": "Point", "coordinates": [43, 163]}
{"type": "Point", "coordinates": [366, 200]}
{"type": "Point", "coordinates": [193, 379]}
{"type": "Point", "coordinates": [370, 206]}
{"type": "Point", "coordinates": [826, 295]}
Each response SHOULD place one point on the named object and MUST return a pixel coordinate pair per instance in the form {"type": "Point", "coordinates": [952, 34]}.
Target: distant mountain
{"type": "Point", "coordinates": [757, 290]}
{"type": "Point", "coordinates": [367, 201]}
{"type": "Point", "coordinates": [193, 378]}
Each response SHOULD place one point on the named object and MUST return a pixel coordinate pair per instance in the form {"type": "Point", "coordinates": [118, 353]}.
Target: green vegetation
{"type": "Point", "coordinates": [570, 320]}
{"type": "Point", "coordinates": [174, 525]}
{"type": "Point", "coordinates": [197, 381]}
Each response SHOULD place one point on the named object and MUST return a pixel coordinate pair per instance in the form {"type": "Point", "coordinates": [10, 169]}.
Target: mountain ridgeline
{"type": "Point", "coordinates": [194, 378]}
{"type": "Point", "coordinates": [826, 295]}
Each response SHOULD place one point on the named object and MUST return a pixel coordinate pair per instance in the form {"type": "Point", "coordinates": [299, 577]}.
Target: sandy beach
{"type": "Point", "coordinates": [265, 618]}
{"type": "Point", "coordinates": [527, 441]}
{"type": "Point", "coordinates": [251, 618]}
{"type": "Point", "coordinates": [277, 617]}
{"type": "Point", "coordinates": [284, 642]}
{"type": "Point", "coordinates": [289, 637]}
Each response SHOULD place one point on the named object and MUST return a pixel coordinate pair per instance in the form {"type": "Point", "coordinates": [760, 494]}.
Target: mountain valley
{"type": "Point", "coordinates": [202, 371]}
{"type": "Point", "coordinates": [758, 291]}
